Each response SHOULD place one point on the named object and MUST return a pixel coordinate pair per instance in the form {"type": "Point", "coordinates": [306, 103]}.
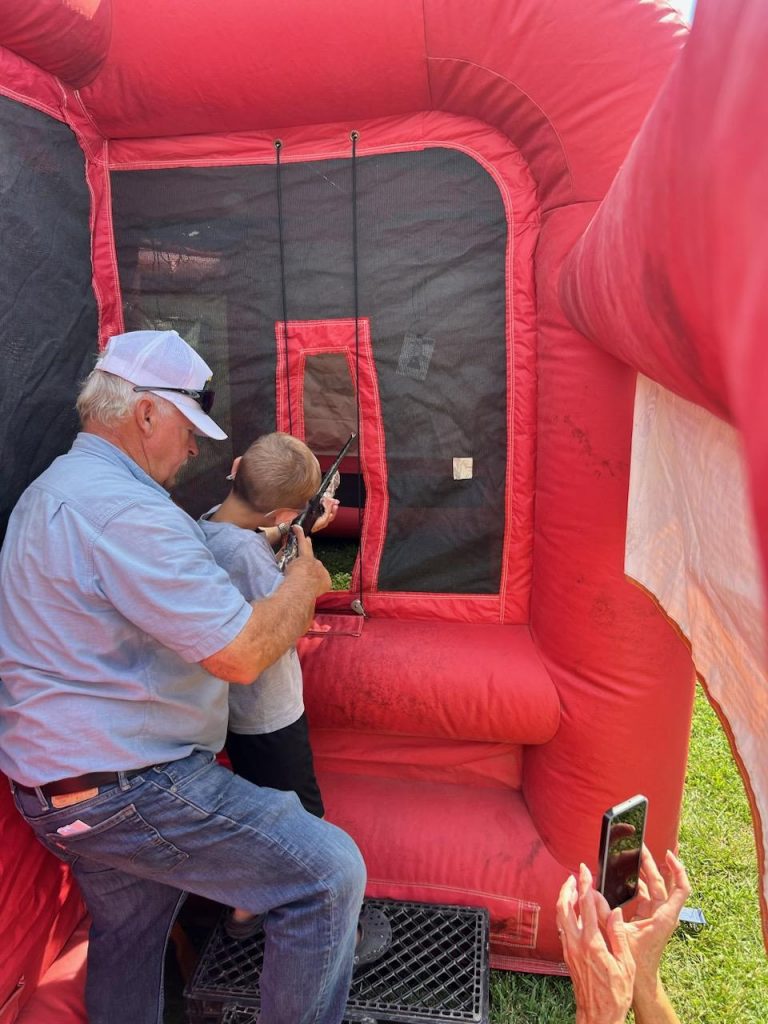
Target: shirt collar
{"type": "Point", "coordinates": [92, 444]}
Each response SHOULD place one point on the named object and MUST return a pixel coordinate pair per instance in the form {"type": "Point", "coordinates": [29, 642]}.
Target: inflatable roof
{"type": "Point", "coordinates": [397, 258]}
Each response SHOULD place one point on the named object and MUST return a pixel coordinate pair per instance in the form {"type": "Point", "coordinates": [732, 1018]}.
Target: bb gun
{"type": "Point", "coordinates": [314, 507]}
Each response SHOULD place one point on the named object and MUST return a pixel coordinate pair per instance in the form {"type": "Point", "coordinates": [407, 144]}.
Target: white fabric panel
{"type": "Point", "coordinates": [691, 543]}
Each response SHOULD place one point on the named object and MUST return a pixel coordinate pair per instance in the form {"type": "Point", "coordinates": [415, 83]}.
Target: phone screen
{"type": "Point", "coordinates": [622, 842]}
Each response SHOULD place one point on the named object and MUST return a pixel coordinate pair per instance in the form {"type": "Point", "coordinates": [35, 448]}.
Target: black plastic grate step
{"type": "Point", "coordinates": [435, 972]}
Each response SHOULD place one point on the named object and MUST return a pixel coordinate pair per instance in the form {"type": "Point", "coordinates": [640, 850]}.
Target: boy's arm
{"type": "Point", "coordinates": [276, 534]}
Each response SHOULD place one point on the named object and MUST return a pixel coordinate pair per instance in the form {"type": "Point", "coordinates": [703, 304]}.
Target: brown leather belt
{"type": "Point", "coordinates": [81, 782]}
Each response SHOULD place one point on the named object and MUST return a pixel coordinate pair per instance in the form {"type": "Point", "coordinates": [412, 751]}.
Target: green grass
{"type": "Point", "coordinates": [338, 557]}
{"type": "Point", "coordinates": [718, 975]}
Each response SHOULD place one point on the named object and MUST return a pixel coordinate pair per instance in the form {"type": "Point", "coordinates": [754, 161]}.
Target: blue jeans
{"type": "Point", "coordinates": [193, 826]}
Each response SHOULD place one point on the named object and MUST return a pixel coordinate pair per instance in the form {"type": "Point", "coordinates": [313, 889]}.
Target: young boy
{"type": "Point", "coordinates": [267, 739]}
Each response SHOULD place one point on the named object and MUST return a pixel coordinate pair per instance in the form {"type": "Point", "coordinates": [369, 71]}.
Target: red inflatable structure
{"type": "Point", "coordinates": [395, 258]}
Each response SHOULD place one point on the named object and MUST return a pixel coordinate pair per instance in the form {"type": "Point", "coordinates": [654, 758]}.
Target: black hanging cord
{"type": "Point", "coordinates": [278, 148]}
{"type": "Point", "coordinates": [358, 604]}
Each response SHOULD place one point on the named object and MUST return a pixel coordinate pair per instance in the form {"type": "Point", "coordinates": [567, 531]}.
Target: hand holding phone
{"type": "Point", "coordinates": [621, 844]}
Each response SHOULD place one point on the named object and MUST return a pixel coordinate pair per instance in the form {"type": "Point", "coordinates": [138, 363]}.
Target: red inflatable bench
{"type": "Point", "coordinates": [419, 729]}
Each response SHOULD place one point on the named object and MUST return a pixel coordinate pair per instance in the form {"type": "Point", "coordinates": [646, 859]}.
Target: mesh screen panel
{"type": "Point", "coordinates": [201, 245]}
{"type": "Point", "coordinates": [47, 308]}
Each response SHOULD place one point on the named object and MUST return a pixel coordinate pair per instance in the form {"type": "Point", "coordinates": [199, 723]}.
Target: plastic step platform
{"type": "Point", "coordinates": [435, 972]}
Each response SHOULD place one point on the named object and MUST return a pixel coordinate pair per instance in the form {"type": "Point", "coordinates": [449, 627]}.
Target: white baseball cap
{"type": "Point", "coordinates": [163, 363]}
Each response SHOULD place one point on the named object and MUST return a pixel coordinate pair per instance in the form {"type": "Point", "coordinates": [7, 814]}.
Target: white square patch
{"type": "Point", "coordinates": [462, 469]}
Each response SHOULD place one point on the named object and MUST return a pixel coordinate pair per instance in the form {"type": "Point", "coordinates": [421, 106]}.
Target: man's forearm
{"type": "Point", "coordinates": [275, 625]}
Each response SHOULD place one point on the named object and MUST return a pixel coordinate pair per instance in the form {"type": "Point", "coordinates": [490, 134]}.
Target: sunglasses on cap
{"type": "Point", "coordinates": [203, 398]}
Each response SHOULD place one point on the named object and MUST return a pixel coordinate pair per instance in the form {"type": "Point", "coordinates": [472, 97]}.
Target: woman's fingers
{"type": "Point", "coordinates": [565, 911]}
{"type": "Point", "coordinates": [618, 943]}
{"type": "Point", "coordinates": [657, 889]}
{"type": "Point", "coordinates": [680, 887]}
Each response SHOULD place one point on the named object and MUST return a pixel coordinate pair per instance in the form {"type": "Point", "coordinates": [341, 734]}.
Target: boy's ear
{"type": "Point", "coordinates": [235, 467]}
{"type": "Point", "coordinates": [285, 515]}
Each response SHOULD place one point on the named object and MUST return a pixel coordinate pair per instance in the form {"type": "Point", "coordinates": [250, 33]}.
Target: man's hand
{"type": "Point", "coordinates": [597, 953]}
{"type": "Point", "coordinates": [315, 575]}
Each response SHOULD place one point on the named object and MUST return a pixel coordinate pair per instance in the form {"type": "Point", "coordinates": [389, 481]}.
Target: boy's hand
{"type": "Point", "coordinates": [305, 562]}
{"type": "Point", "coordinates": [330, 508]}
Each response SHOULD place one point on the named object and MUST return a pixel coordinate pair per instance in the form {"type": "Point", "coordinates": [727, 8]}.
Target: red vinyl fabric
{"type": "Point", "coordinates": [60, 996]}
{"type": "Point", "coordinates": [461, 823]}
{"type": "Point", "coordinates": [293, 64]}
{"type": "Point", "coordinates": [670, 277]}
{"type": "Point", "coordinates": [552, 728]}
{"type": "Point", "coordinates": [462, 681]}
{"type": "Point", "coordinates": [352, 340]}
{"type": "Point", "coordinates": [40, 906]}
{"type": "Point", "coordinates": [622, 674]}
{"type": "Point", "coordinates": [67, 39]}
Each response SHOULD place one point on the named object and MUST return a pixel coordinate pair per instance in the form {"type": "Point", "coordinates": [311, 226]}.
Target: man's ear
{"type": "Point", "coordinates": [235, 467]}
{"type": "Point", "coordinates": [144, 414]}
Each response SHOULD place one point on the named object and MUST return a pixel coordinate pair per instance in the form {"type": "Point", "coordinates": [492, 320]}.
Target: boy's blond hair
{"type": "Point", "coordinates": [277, 471]}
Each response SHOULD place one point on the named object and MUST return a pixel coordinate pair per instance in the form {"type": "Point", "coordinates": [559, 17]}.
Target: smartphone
{"type": "Point", "coordinates": [621, 843]}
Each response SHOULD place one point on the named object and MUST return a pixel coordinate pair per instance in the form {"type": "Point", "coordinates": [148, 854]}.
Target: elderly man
{"type": "Point", "coordinates": [118, 635]}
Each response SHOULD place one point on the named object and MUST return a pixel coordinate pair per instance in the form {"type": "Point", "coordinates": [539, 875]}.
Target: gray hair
{"type": "Point", "coordinates": [107, 399]}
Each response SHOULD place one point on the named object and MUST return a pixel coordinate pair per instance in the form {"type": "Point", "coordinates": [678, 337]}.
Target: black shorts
{"type": "Point", "coordinates": [278, 760]}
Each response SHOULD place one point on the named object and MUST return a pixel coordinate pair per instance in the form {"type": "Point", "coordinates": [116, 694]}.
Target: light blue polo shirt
{"type": "Point", "coordinates": [109, 598]}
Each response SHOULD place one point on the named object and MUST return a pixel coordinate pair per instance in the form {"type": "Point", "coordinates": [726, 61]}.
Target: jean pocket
{"type": "Point", "coordinates": [124, 839]}
{"type": "Point", "coordinates": [53, 844]}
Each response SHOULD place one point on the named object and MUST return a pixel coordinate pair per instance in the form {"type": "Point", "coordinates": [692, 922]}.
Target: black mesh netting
{"type": "Point", "coordinates": [199, 250]}
{"type": "Point", "coordinates": [47, 308]}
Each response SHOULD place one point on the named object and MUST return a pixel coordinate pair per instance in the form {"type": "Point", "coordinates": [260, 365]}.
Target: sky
{"type": "Point", "coordinates": [686, 8]}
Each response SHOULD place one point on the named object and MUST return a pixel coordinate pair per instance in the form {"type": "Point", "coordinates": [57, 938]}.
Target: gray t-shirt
{"type": "Point", "coordinates": [275, 698]}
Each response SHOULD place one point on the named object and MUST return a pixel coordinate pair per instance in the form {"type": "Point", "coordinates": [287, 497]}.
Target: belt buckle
{"type": "Point", "coordinates": [67, 799]}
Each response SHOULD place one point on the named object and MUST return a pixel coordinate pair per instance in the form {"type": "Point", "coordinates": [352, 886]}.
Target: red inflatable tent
{"type": "Point", "coordinates": [436, 165]}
